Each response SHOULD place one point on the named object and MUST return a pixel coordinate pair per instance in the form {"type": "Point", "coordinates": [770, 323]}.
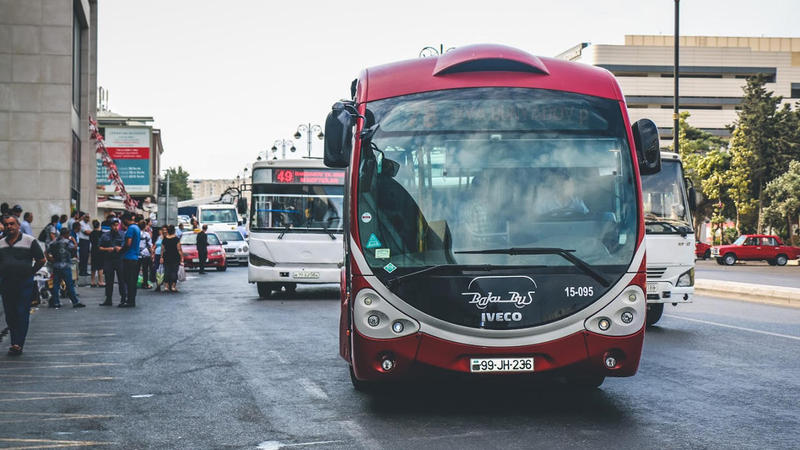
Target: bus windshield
{"type": "Point", "coordinates": [493, 168]}
{"type": "Point", "coordinates": [666, 208]}
{"type": "Point", "coordinates": [218, 216]}
{"type": "Point", "coordinates": [296, 207]}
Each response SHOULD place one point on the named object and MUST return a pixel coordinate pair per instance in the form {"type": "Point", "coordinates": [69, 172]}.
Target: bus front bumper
{"type": "Point", "coordinates": [312, 273]}
{"type": "Point", "coordinates": [580, 353]}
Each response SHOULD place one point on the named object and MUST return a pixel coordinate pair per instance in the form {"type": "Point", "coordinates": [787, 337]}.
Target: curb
{"type": "Point", "coordinates": [749, 292]}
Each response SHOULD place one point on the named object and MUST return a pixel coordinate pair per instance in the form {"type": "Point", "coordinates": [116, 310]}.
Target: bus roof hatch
{"type": "Point", "coordinates": [488, 58]}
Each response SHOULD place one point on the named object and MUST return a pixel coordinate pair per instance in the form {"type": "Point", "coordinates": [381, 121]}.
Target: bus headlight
{"type": "Point", "coordinates": [686, 279]}
{"type": "Point", "coordinates": [376, 318]}
{"type": "Point", "coordinates": [622, 317]}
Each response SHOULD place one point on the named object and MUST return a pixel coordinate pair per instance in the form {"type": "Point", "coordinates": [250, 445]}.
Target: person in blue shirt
{"type": "Point", "coordinates": [130, 258]}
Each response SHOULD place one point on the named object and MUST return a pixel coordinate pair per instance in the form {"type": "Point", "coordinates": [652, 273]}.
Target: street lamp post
{"type": "Point", "coordinates": [308, 129]}
{"type": "Point", "coordinates": [283, 143]}
{"type": "Point", "coordinates": [676, 75]}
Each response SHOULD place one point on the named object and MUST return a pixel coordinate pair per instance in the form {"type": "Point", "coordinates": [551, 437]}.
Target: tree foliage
{"type": "Point", "coordinates": [179, 183]}
{"type": "Point", "coordinates": [784, 206]}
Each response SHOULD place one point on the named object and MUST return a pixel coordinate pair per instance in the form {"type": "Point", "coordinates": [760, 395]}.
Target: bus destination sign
{"type": "Point", "coordinates": [308, 176]}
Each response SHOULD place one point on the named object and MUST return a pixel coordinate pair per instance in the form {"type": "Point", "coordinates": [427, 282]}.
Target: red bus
{"type": "Point", "coordinates": [493, 218]}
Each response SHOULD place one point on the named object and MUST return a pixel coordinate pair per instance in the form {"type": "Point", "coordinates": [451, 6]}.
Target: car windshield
{"type": "Point", "coordinates": [475, 169]}
{"type": "Point", "coordinates": [191, 239]}
{"type": "Point", "coordinates": [666, 207]}
{"type": "Point", "coordinates": [218, 216]}
{"type": "Point", "coordinates": [230, 236]}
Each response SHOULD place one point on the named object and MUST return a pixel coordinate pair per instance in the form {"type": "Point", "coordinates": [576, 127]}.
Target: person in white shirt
{"type": "Point", "coordinates": [84, 245]}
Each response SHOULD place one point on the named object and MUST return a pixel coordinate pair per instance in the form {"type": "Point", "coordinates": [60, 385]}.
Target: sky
{"type": "Point", "coordinates": [225, 80]}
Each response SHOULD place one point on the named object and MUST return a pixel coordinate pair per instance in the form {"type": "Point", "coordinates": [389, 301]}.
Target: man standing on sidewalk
{"type": "Point", "coordinates": [130, 259]}
{"type": "Point", "coordinates": [202, 249]}
{"type": "Point", "coordinates": [111, 245]}
{"type": "Point", "coordinates": [60, 254]}
{"type": "Point", "coordinates": [20, 258]}
{"type": "Point", "coordinates": [25, 226]}
{"type": "Point", "coordinates": [83, 246]}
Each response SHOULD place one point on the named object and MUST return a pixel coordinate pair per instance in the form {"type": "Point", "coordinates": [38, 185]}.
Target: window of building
{"type": "Point", "coordinates": [76, 58]}
{"type": "Point", "coordinates": [75, 178]}
{"type": "Point", "coordinates": [795, 90]}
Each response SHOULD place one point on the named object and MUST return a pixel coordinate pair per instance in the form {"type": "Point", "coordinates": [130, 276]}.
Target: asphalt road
{"type": "Point", "coordinates": [214, 367]}
{"type": "Point", "coordinates": [757, 272]}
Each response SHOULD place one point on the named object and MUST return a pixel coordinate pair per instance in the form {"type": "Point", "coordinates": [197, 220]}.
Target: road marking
{"type": "Point", "coordinates": [49, 416]}
{"type": "Point", "coordinates": [313, 389]}
{"type": "Point", "coordinates": [752, 330]}
{"type": "Point", "coordinates": [360, 434]}
{"type": "Point", "coordinates": [58, 366]}
{"type": "Point", "coordinates": [275, 445]}
{"type": "Point", "coordinates": [48, 395]}
{"type": "Point", "coordinates": [48, 443]}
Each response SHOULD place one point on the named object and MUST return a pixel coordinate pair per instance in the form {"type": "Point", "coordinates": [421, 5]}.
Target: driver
{"type": "Point", "coordinates": [557, 194]}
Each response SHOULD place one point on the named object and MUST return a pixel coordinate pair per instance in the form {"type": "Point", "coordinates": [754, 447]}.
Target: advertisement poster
{"type": "Point", "coordinates": [130, 149]}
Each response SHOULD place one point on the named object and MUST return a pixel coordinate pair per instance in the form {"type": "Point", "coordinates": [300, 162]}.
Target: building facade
{"type": "Point", "coordinates": [209, 187]}
{"type": "Point", "coordinates": [48, 85]}
{"type": "Point", "coordinates": [713, 71]}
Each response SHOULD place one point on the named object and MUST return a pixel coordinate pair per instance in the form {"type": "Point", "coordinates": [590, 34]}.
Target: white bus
{"type": "Point", "coordinates": [296, 220]}
{"type": "Point", "coordinates": [670, 237]}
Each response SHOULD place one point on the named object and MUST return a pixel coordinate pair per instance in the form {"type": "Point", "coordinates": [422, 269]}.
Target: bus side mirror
{"type": "Point", "coordinates": [645, 137]}
{"type": "Point", "coordinates": [692, 193]}
{"type": "Point", "coordinates": [338, 136]}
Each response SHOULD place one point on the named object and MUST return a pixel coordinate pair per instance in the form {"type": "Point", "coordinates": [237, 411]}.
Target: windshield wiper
{"type": "Point", "coordinates": [280, 236]}
{"type": "Point", "coordinates": [482, 267]}
{"type": "Point", "coordinates": [680, 228]}
{"type": "Point", "coordinates": [564, 253]}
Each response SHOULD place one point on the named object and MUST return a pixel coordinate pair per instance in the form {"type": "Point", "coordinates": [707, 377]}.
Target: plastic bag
{"type": "Point", "coordinates": [181, 273]}
{"type": "Point", "coordinates": [160, 275]}
{"type": "Point", "coordinates": [139, 281]}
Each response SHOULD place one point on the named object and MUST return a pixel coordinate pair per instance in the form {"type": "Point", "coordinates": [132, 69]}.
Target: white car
{"type": "Point", "coordinates": [235, 246]}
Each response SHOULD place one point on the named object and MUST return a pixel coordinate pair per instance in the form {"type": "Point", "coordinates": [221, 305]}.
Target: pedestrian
{"type": "Point", "coordinates": [16, 211]}
{"type": "Point", "coordinates": [75, 230]}
{"type": "Point", "coordinates": [61, 221]}
{"type": "Point", "coordinates": [180, 230]}
{"type": "Point", "coordinates": [130, 258]}
{"type": "Point", "coordinates": [20, 257]}
{"type": "Point", "coordinates": [25, 226]}
{"type": "Point", "coordinates": [60, 255]}
{"type": "Point", "coordinates": [242, 229]}
{"type": "Point", "coordinates": [202, 249]}
{"type": "Point", "coordinates": [84, 245]}
{"type": "Point", "coordinates": [4, 209]}
{"type": "Point", "coordinates": [50, 231]}
{"type": "Point", "coordinates": [96, 254]}
{"type": "Point", "coordinates": [171, 258]}
{"type": "Point", "coordinates": [162, 233]}
{"type": "Point", "coordinates": [75, 217]}
{"type": "Point", "coordinates": [111, 246]}
{"type": "Point", "coordinates": [145, 254]}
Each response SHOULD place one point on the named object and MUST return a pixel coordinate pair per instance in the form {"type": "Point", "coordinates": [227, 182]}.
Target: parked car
{"type": "Point", "coordinates": [216, 254]}
{"type": "Point", "coordinates": [702, 250]}
{"type": "Point", "coordinates": [755, 247]}
{"type": "Point", "coordinates": [235, 246]}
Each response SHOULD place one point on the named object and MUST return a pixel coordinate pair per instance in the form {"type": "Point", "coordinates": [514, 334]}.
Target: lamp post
{"type": "Point", "coordinates": [427, 52]}
{"type": "Point", "coordinates": [308, 129]}
{"type": "Point", "coordinates": [676, 75]}
{"type": "Point", "coordinates": [283, 143]}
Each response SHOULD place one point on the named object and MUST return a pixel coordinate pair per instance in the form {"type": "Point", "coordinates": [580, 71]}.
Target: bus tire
{"type": "Point", "coordinates": [781, 260]}
{"type": "Point", "coordinates": [291, 288]}
{"type": "Point", "coordinates": [586, 381]}
{"type": "Point", "coordinates": [654, 312]}
{"type": "Point", "coordinates": [361, 385]}
{"type": "Point", "coordinates": [264, 289]}
{"type": "Point", "coordinates": [729, 259]}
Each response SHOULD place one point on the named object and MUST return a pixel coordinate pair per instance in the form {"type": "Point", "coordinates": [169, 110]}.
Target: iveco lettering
{"type": "Point", "coordinates": [494, 218]}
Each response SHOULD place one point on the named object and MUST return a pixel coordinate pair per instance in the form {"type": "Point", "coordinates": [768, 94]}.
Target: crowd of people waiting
{"type": "Point", "coordinates": [127, 249]}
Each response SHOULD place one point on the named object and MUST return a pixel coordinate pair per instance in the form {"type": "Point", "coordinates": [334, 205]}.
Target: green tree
{"type": "Point", "coordinates": [784, 204]}
{"type": "Point", "coordinates": [179, 183]}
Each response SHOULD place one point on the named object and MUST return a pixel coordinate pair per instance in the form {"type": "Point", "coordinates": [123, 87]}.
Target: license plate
{"type": "Point", "coordinates": [195, 259]}
{"type": "Point", "coordinates": [652, 287]}
{"type": "Point", "coordinates": [501, 365]}
{"type": "Point", "coordinates": [306, 275]}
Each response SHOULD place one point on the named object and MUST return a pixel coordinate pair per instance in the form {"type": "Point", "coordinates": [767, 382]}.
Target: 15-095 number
{"type": "Point", "coordinates": [580, 291]}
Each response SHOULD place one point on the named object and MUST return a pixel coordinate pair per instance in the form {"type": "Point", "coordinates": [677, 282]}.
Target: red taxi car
{"type": "Point", "coordinates": [755, 247]}
{"type": "Point", "coordinates": [216, 254]}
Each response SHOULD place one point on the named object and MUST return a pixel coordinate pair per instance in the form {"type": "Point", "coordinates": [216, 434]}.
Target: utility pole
{"type": "Point", "coordinates": [166, 203]}
{"type": "Point", "coordinates": [676, 74]}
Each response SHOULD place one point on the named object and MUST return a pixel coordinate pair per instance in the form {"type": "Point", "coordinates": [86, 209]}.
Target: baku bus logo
{"type": "Point", "coordinates": [515, 289]}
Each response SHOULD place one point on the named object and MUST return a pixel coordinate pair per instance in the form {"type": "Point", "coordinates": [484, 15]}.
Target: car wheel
{"type": "Point", "coordinates": [654, 312]}
{"type": "Point", "coordinates": [265, 289]}
{"type": "Point", "coordinates": [729, 259]}
{"type": "Point", "coordinates": [707, 254]}
{"type": "Point", "coordinates": [781, 260]}
{"type": "Point", "coordinates": [719, 261]}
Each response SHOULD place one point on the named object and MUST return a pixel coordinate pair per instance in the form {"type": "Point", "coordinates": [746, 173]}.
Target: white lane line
{"type": "Point", "coordinates": [313, 389]}
{"type": "Point", "coordinates": [275, 445]}
{"type": "Point", "coordinates": [752, 330]}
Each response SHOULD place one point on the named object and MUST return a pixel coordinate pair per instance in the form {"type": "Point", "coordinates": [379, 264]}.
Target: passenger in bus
{"type": "Point", "coordinates": [557, 196]}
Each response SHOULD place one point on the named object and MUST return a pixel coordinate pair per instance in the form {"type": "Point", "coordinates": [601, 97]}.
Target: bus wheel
{"type": "Point", "coordinates": [264, 289]}
{"type": "Point", "coordinates": [290, 288]}
{"type": "Point", "coordinates": [586, 381]}
{"type": "Point", "coordinates": [361, 385]}
{"type": "Point", "coordinates": [654, 312]}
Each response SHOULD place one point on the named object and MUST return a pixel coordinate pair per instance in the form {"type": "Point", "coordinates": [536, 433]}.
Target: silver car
{"type": "Point", "coordinates": [235, 246]}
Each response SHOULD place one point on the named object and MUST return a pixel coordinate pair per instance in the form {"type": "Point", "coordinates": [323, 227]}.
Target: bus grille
{"type": "Point", "coordinates": [656, 272]}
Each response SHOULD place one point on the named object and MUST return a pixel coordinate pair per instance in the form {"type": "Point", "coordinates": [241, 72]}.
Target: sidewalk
{"type": "Point", "coordinates": [757, 293]}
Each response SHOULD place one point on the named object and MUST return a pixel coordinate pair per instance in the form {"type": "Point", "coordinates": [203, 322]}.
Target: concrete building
{"type": "Point", "coordinates": [48, 85]}
{"type": "Point", "coordinates": [713, 70]}
{"type": "Point", "coordinates": [210, 187]}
